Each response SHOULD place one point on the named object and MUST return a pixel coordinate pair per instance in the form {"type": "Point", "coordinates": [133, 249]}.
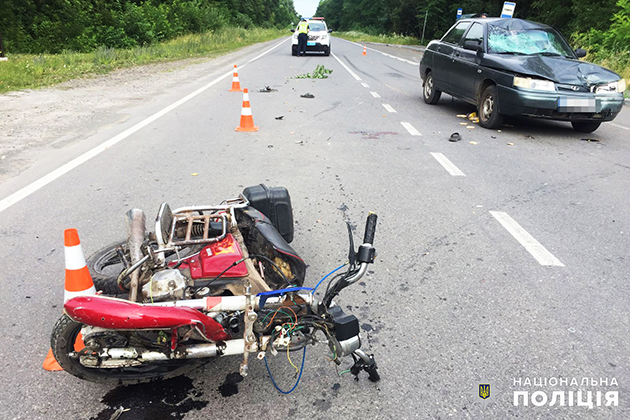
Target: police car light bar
{"type": "Point", "coordinates": [317, 18]}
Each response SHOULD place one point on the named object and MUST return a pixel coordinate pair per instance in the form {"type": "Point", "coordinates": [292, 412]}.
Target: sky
{"type": "Point", "coordinates": [306, 7]}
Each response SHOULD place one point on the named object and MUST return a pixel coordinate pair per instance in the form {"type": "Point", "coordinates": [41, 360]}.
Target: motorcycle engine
{"type": "Point", "coordinates": [165, 285]}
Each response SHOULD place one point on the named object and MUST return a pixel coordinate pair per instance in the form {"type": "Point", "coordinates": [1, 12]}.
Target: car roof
{"type": "Point", "coordinates": [509, 23]}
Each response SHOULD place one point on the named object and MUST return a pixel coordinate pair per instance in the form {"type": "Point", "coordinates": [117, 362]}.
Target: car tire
{"type": "Point", "coordinates": [327, 51]}
{"type": "Point", "coordinates": [294, 50]}
{"type": "Point", "coordinates": [585, 126]}
{"type": "Point", "coordinates": [488, 108]}
{"type": "Point", "coordinates": [429, 93]}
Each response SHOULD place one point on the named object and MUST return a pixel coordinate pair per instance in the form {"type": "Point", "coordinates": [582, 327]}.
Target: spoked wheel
{"type": "Point", "coordinates": [62, 342]}
{"type": "Point", "coordinates": [106, 264]}
{"type": "Point", "coordinates": [488, 108]}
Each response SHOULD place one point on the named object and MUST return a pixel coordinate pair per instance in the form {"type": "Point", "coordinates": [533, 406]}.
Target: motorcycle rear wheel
{"type": "Point", "coordinates": [105, 265]}
{"type": "Point", "coordinates": [63, 338]}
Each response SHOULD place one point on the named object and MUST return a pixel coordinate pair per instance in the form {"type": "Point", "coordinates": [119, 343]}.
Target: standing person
{"type": "Point", "coordinates": [302, 36]}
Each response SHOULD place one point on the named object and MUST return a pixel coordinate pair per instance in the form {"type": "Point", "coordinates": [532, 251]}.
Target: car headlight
{"type": "Point", "coordinates": [324, 37]}
{"type": "Point", "coordinates": [613, 87]}
{"type": "Point", "coordinates": [535, 84]}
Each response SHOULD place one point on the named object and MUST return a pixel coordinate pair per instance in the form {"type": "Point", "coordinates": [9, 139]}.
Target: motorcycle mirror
{"type": "Point", "coordinates": [351, 253]}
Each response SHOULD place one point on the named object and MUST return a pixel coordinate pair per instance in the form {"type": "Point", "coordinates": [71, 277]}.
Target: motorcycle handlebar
{"type": "Point", "coordinates": [370, 229]}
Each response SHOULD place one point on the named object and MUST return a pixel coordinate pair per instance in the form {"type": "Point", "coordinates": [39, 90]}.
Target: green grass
{"type": "Point", "coordinates": [27, 71]}
{"type": "Point", "coordinates": [382, 39]}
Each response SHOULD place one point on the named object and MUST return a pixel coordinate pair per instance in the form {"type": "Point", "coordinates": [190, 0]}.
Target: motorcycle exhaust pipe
{"type": "Point", "coordinates": [195, 351]}
{"type": "Point", "coordinates": [136, 223]}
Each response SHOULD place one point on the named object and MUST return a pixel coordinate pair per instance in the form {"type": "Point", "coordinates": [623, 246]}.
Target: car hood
{"type": "Point", "coordinates": [557, 69]}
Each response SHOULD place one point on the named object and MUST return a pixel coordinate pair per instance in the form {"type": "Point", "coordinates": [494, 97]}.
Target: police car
{"type": "Point", "coordinates": [318, 37]}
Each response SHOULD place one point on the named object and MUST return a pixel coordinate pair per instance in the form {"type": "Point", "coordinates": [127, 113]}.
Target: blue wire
{"type": "Point", "coordinates": [296, 382]}
{"type": "Point", "coordinates": [326, 276]}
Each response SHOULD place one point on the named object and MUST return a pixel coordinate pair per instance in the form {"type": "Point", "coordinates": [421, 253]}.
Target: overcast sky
{"type": "Point", "coordinates": [306, 7]}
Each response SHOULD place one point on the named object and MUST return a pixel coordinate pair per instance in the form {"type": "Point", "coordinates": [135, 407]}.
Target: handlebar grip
{"type": "Point", "coordinates": [370, 228]}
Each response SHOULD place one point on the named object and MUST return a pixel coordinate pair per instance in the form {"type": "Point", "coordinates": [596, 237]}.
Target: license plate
{"type": "Point", "coordinates": [577, 105]}
{"type": "Point", "coordinates": [310, 43]}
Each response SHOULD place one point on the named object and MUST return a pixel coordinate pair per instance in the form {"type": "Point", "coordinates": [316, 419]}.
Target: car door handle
{"type": "Point", "coordinates": [457, 53]}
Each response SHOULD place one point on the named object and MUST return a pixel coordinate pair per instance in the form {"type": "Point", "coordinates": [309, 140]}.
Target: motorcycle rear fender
{"type": "Point", "coordinates": [119, 314]}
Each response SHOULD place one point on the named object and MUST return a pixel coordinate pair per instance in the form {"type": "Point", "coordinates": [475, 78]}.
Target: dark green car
{"type": "Point", "coordinates": [518, 67]}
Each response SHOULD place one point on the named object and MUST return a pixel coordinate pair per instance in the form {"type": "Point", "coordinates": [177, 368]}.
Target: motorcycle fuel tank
{"type": "Point", "coordinates": [215, 258]}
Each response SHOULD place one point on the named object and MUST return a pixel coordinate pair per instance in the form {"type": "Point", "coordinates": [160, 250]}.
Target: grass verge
{"type": "Point", "coordinates": [27, 71]}
{"type": "Point", "coordinates": [356, 36]}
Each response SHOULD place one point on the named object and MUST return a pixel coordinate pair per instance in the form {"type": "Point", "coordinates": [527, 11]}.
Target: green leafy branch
{"type": "Point", "coordinates": [320, 72]}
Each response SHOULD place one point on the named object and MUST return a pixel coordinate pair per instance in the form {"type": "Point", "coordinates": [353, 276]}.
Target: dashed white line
{"type": "Point", "coordinates": [64, 169]}
{"type": "Point", "coordinates": [411, 129]}
{"type": "Point", "coordinates": [534, 247]}
{"type": "Point", "coordinates": [365, 85]}
{"type": "Point", "coordinates": [353, 74]}
{"type": "Point", "coordinates": [376, 95]}
{"type": "Point", "coordinates": [383, 53]}
{"type": "Point", "coordinates": [447, 164]}
{"type": "Point", "coordinates": [389, 108]}
{"type": "Point", "coordinates": [620, 126]}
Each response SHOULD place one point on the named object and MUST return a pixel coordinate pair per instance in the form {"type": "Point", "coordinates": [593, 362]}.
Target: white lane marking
{"type": "Point", "coordinates": [365, 85]}
{"type": "Point", "coordinates": [64, 169]}
{"type": "Point", "coordinates": [534, 247]}
{"type": "Point", "coordinates": [353, 74]}
{"type": "Point", "coordinates": [620, 126]}
{"type": "Point", "coordinates": [389, 108]}
{"type": "Point", "coordinates": [376, 95]}
{"type": "Point", "coordinates": [383, 53]}
{"type": "Point", "coordinates": [447, 164]}
{"type": "Point", "coordinates": [411, 129]}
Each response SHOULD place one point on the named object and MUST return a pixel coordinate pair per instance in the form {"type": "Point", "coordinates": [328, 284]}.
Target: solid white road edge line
{"type": "Point", "coordinates": [534, 247]}
{"type": "Point", "coordinates": [389, 108]}
{"type": "Point", "coordinates": [447, 164]}
{"type": "Point", "coordinates": [620, 126]}
{"type": "Point", "coordinates": [64, 169]}
{"type": "Point", "coordinates": [376, 95]}
{"type": "Point", "coordinates": [353, 74]}
{"type": "Point", "coordinates": [411, 129]}
{"type": "Point", "coordinates": [381, 52]}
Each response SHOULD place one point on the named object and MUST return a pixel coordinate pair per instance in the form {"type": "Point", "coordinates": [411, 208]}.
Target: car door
{"type": "Point", "coordinates": [442, 59]}
{"type": "Point", "coordinates": [465, 69]}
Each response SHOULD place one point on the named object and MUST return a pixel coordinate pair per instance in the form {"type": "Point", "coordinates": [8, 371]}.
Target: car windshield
{"type": "Point", "coordinates": [537, 41]}
{"type": "Point", "coordinates": [316, 26]}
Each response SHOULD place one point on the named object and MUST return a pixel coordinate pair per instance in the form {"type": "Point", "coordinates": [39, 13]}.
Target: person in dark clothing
{"type": "Point", "coordinates": [302, 36]}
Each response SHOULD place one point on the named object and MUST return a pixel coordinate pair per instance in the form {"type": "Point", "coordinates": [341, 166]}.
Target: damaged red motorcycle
{"type": "Point", "coordinates": [209, 281]}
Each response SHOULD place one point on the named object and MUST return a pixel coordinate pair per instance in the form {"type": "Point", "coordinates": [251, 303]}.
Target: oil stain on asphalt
{"type": "Point", "coordinates": [160, 400]}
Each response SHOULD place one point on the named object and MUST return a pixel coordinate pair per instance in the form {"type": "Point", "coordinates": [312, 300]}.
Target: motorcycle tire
{"type": "Point", "coordinates": [105, 266]}
{"type": "Point", "coordinates": [62, 341]}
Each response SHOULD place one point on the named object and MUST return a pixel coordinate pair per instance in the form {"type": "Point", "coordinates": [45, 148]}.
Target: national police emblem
{"type": "Point", "coordinates": [484, 391]}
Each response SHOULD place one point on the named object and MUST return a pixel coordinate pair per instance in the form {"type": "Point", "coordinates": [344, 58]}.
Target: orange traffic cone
{"type": "Point", "coordinates": [236, 85]}
{"type": "Point", "coordinates": [247, 121]}
{"type": "Point", "coordinates": [78, 283]}
{"type": "Point", "coordinates": [364, 51]}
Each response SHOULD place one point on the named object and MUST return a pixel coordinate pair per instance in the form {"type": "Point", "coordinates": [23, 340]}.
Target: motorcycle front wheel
{"type": "Point", "coordinates": [62, 342]}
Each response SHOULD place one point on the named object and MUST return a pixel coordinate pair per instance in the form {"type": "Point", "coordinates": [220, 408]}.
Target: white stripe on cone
{"type": "Point", "coordinates": [75, 259]}
{"type": "Point", "coordinates": [246, 97]}
{"type": "Point", "coordinates": [69, 295]}
{"type": "Point", "coordinates": [246, 111]}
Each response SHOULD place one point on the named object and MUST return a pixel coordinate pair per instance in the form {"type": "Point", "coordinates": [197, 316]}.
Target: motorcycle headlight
{"type": "Point", "coordinates": [535, 84]}
{"type": "Point", "coordinates": [613, 87]}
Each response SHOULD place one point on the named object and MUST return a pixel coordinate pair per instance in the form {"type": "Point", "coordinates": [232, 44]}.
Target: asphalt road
{"type": "Point", "coordinates": [502, 257]}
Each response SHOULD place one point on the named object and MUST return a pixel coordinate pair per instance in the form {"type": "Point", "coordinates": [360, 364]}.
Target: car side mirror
{"type": "Point", "coordinates": [330, 31]}
{"type": "Point", "coordinates": [473, 45]}
{"type": "Point", "coordinates": [580, 52]}
{"type": "Point", "coordinates": [292, 30]}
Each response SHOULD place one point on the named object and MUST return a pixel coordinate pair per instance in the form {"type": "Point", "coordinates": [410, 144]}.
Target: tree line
{"type": "Point", "coordinates": [52, 26]}
{"type": "Point", "coordinates": [604, 23]}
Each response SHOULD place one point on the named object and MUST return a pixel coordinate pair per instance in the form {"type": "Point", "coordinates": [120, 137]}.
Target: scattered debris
{"type": "Point", "coordinates": [270, 146]}
{"type": "Point", "coordinates": [510, 144]}
{"type": "Point", "coordinates": [320, 72]}
{"type": "Point", "coordinates": [591, 140]}
{"type": "Point", "coordinates": [194, 174]}
{"type": "Point", "coordinates": [493, 137]}
{"type": "Point", "coordinates": [455, 137]}
{"type": "Point", "coordinates": [498, 131]}
{"type": "Point", "coordinates": [307, 95]}
{"type": "Point", "coordinates": [118, 413]}
{"type": "Point", "coordinates": [267, 89]}
{"type": "Point", "coordinates": [462, 116]}
{"type": "Point", "coordinates": [280, 117]}
{"type": "Point", "coordinates": [300, 142]}
{"type": "Point", "coordinates": [474, 143]}
{"type": "Point", "coordinates": [473, 117]}
{"type": "Point", "coordinates": [292, 132]}
{"type": "Point", "coordinates": [463, 123]}
{"type": "Point", "coordinates": [470, 127]}
{"type": "Point", "coordinates": [529, 137]}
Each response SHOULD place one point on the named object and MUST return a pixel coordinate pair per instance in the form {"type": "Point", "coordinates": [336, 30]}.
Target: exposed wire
{"type": "Point", "coordinates": [296, 382]}
{"type": "Point", "coordinates": [326, 276]}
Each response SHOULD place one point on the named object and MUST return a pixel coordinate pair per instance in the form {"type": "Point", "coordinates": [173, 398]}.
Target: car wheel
{"type": "Point", "coordinates": [294, 50]}
{"type": "Point", "coordinates": [585, 126]}
{"type": "Point", "coordinates": [488, 108]}
{"type": "Point", "coordinates": [327, 51]}
{"type": "Point", "coordinates": [430, 94]}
